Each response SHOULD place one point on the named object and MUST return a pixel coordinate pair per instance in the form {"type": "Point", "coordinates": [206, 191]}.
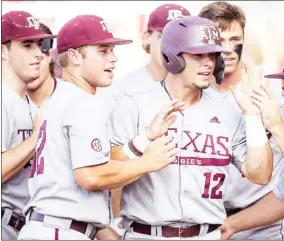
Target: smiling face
{"type": "Point", "coordinates": [24, 57]}
{"type": "Point", "coordinates": [232, 39]}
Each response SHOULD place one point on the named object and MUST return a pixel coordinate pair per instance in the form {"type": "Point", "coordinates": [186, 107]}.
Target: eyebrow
{"type": "Point", "coordinates": [105, 46]}
{"type": "Point", "coordinates": [31, 41]}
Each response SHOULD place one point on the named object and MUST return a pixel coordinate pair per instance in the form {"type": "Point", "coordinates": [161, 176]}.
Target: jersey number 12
{"type": "Point", "coordinates": [218, 178]}
{"type": "Point", "coordinates": [38, 161]}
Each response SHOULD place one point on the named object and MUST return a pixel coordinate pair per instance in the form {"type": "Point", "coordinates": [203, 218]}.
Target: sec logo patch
{"type": "Point", "coordinates": [96, 145]}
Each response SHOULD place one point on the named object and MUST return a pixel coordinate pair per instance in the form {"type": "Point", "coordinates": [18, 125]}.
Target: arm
{"type": "Point", "coordinates": [265, 212]}
{"type": "Point", "coordinates": [277, 132]}
{"type": "Point", "coordinates": [15, 159]}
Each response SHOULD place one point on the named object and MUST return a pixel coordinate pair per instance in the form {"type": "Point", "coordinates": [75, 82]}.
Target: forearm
{"type": "Point", "coordinates": [117, 153]}
{"type": "Point", "coordinates": [116, 198]}
{"type": "Point", "coordinates": [14, 160]}
{"type": "Point", "coordinates": [265, 212]}
{"type": "Point", "coordinates": [278, 134]}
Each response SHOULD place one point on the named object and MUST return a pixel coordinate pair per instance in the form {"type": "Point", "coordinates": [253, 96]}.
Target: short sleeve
{"type": "Point", "coordinates": [239, 144]}
{"type": "Point", "coordinates": [7, 129]}
{"type": "Point", "coordinates": [123, 121]}
{"type": "Point", "coordinates": [87, 133]}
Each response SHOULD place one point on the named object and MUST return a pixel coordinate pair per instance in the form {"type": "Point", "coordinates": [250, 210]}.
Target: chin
{"type": "Point", "coordinates": [105, 83]}
{"type": "Point", "coordinates": [230, 69]}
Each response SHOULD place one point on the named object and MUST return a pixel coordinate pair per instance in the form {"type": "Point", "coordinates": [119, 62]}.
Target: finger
{"type": "Point", "coordinates": [171, 145]}
{"type": "Point", "coordinates": [171, 159]}
{"type": "Point", "coordinates": [257, 97]}
{"type": "Point", "coordinates": [257, 77]}
{"type": "Point", "coordinates": [179, 107]}
{"type": "Point", "coordinates": [268, 92]}
{"type": "Point", "coordinates": [172, 153]}
{"type": "Point", "coordinates": [246, 75]}
{"type": "Point", "coordinates": [257, 103]}
{"type": "Point", "coordinates": [168, 109]}
{"type": "Point", "coordinates": [170, 120]}
{"type": "Point", "coordinates": [166, 139]}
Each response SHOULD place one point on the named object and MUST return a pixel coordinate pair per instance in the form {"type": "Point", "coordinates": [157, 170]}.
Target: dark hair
{"type": "Point", "coordinates": [223, 14]}
{"type": "Point", "coordinates": [52, 63]}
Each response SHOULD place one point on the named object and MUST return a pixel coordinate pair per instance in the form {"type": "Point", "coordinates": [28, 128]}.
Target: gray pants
{"type": "Point", "coordinates": [8, 233]}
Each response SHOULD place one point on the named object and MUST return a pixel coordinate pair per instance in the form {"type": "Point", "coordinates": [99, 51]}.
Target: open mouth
{"type": "Point", "coordinates": [204, 73]}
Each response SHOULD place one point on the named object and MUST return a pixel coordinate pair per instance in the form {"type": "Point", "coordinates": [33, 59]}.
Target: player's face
{"type": "Point", "coordinates": [98, 65]}
{"type": "Point", "coordinates": [44, 72]}
{"type": "Point", "coordinates": [199, 69]}
{"type": "Point", "coordinates": [231, 38]}
{"type": "Point", "coordinates": [154, 40]}
{"type": "Point", "coordinates": [24, 57]}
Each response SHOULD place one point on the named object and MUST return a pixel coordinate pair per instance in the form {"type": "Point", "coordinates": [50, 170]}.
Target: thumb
{"type": "Point", "coordinates": [171, 120]}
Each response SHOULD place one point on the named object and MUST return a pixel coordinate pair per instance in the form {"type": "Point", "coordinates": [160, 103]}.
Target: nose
{"type": "Point", "coordinates": [113, 58]}
{"type": "Point", "coordinates": [38, 54]}
{"type": "Point", "coordinates": [228, 46]}
{"type": "Point", "coordinates": [210, 60]}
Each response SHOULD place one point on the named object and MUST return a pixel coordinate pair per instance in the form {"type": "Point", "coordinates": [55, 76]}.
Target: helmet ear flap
{"type": "Point", "coordinates": [219, 68]}
{"type": "Point", "coordinates": [174, 64]}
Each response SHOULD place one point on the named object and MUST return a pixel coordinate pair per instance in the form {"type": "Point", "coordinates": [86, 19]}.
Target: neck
{"type": "Point", "coordinates": [71, 75]}
{"type": "Point", "coordinates": [156, 71]}
{"type": "Point", "coordinates": [190, 95]}
{"type": "Point", "coordinates": [14, 81]}
{"type": "Point", "coordinates": [231, 79]}
{"type": "Point", "coordinates": [40, 95]}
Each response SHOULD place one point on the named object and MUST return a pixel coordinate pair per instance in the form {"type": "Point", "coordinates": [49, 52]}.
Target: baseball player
{"type": "Point", "coordinates": [241, 192]}
{"type": "Point", "coordinates": [21, 35]}
{"type": "Point", "coordinates": [42, 88]}
{"type": "Point", "coordinates": [71, 173]}
{"type": "Point", "coordinates": [144, 77]}
{"type": "Point", "coordinates": [270, 209]}
{"type": "Point", "coordinates": [185, 200]}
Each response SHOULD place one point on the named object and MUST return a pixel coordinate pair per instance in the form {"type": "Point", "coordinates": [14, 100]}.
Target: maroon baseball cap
{"type": "Point", "coordinates": [84, 30]}
{"type": "Point", "coordinates": [162, 15]}
{"type": "Point", "coordinates": [20, 25]}
{"type": "Point", "coordinates": [276, 76]}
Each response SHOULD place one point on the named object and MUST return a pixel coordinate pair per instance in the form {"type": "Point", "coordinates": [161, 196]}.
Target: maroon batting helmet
{"type": "Point", "coordinates": [193, 35]}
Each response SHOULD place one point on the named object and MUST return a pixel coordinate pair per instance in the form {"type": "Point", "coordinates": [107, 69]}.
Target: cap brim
{"type": "Point", "coordinates": [208, 48]}
{"type": "Point", "coordinates": [114, 41]}
{"type": "Point", "coordinates": [275, 76]}
{"type": "Point", "coordinates": [36, 37]}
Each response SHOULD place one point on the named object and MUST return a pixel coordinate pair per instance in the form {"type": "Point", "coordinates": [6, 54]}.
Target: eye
{"type": "Point", "coordinates": [27, 46]}
{"type": "Point", "coordinates": [197, 55]}
{"type": "Point", "coordinates": [212, 55]}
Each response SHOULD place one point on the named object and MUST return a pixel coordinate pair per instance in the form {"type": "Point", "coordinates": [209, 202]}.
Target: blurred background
{"type": "Point", "coordinates": [264, 33]}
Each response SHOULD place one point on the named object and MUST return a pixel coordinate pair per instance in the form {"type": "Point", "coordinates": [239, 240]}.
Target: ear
{"type": "Point", "coordinates": [75, 58]}
{"type": "Point", "coordinates": [5, 51]}
{"type": "Point", "coordinates": [146, 37]}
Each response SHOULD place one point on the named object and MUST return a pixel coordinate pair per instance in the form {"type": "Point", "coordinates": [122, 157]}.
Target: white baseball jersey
{"type": "Point", "coordinates": [73, 135]}
{"type": "Point", "coordinates": [279, 187]}
{"type": "Point", "coordinates": [17, 124]}
{"type": "Point", "coordinates": [209, 136]}
{"type": "Point", "coordinates": [134, 82]}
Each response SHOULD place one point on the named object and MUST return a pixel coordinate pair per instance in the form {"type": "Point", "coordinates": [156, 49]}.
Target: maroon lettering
{"type": "Point", "coordinates": [172, 132]}
{"type": "Point", "coordinates": [38, 162]}
{"type": "Point", "coordinates": [209, 143]}
{"type": "Point", "coordinates": [25, 133]}
{"type": "Point", "coordinates": [215, 194]}
{"type": "Point", "coordinates": [226, 139]}
{"type": "Point", "coordinates": [201, 161]}
{"type": "Point", "coordinates": [192, 141]}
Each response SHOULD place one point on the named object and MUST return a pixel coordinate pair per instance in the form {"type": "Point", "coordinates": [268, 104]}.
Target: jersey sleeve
{"type": "Point", "coordinates": [87, 133]}
{"type": "Point", "coordinates": [123, 121]}
{"type": "Point", "coordinates": [7, 129]}
{"type": "Point", "coordinates": [239, 144]}
{"type": "Point", "coordinates": [279, 187]}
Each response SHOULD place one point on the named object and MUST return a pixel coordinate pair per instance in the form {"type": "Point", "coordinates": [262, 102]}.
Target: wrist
{"type": "Point", "coordinates": [276, 128]}
{"type": "Point", "coordinates": [34, 137]}
{"type": "Point", "coordinates": [255, 132]}
{"type": "Point", "coordinates": [148, 134]}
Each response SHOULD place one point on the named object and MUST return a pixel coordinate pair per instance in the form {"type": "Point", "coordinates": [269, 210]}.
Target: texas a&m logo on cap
{"type": "Point", "coordinates": [105, 26]}
{"type": "Point", "coordinates": [33, 23]}
{"type": "Point", "coordinates": [209, 34]}
{"type": "Point", "coordinates": [174, 13]}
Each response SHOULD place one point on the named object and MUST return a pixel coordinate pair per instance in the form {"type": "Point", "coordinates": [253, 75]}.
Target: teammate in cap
{"type": "Point", "coordinates": [42, 88]}
{"type": "Point", "coordinates": [241, 192]}
{"type": "Point", "coordinates": [71, 173]}
{"type": "Point", "coordinates": [270, 209]}
{"type": "Point", "coordinates": [21, 59]}
{"type": "Point", "coordinates": [144, 77]}
{"type": "Point", "coordinates": [185, 200]}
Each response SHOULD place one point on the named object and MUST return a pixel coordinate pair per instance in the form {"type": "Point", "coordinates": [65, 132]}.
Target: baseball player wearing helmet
{"type": "Point", "coordinates": [71, 173]}
{"type": "Point", "coordinates": [185, 199]}
{"type": "Point", "coordinates": [241, 192]}
{"type": "Point", "coordinates": [270, 209]}
{"type": "Point", "coordinates": [144, 77]}
{"type": "Point", "coordinates": [21, 36]}
{"type": "Point", "coordinates": [43, 87]}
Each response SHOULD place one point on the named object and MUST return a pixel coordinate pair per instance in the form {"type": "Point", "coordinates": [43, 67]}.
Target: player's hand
{"type": "Point", "coordinates": [107, 234]}
{"type": "Point", "coordinates": [266, 102]}
{"type": "Point", "coordinates": [159, 154]}
{"type": "Point", "coordinates": [226, 231]}
{"type": "Point", "coordinates": [251, 79]}
{"type": "Point", "coordinates": [163, 120]}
